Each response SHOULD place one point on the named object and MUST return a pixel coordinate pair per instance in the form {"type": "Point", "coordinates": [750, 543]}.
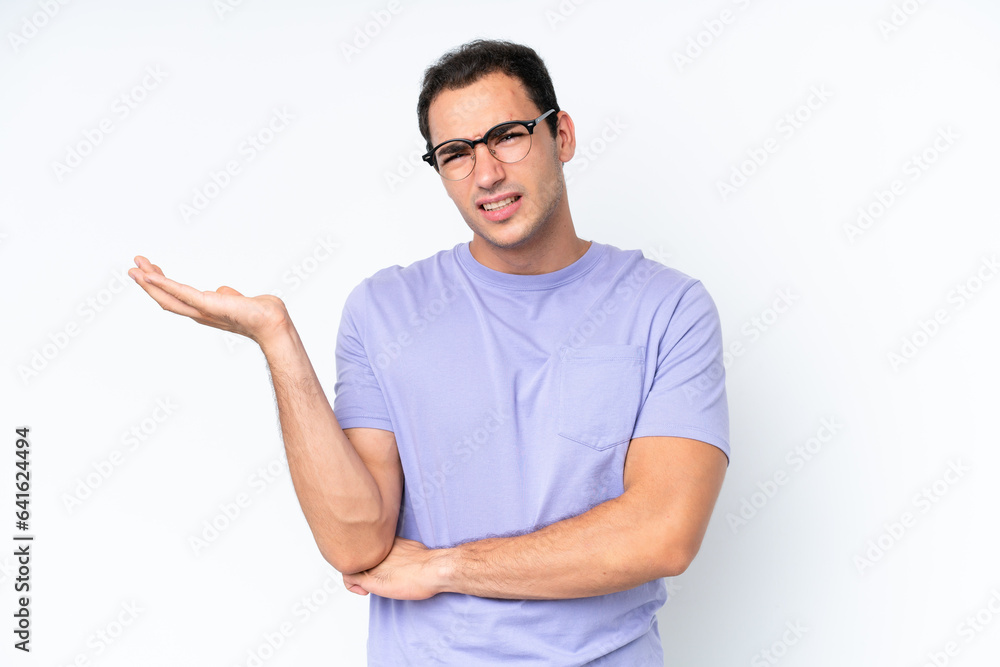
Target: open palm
{"type": "Point", "coordinates": [256, 317]}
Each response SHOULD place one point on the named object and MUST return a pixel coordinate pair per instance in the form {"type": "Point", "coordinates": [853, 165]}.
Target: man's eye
{"type": "Point", "coordinates": [452, 157]}
{"type": "Point", "coordinates": [508, 135]}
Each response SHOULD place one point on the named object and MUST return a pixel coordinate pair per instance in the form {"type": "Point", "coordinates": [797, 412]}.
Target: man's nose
{"type": "Point", "coordinates": [488, 171]}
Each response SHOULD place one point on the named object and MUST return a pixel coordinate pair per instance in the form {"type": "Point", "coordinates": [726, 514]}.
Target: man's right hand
{"type": "Point", "coordinates": [258, 318]}
{"type": "Point", "coordinates": [349, 485]}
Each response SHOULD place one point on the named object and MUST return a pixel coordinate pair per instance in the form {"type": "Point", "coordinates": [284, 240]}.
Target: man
{"type": "Point", "coordinates": [530, 430]}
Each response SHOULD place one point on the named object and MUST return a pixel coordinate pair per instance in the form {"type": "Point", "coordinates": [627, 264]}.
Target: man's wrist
{"type": "Point", "coordinates": [445, 568]}
{"type": "Point", "coordinates": [279, 337]}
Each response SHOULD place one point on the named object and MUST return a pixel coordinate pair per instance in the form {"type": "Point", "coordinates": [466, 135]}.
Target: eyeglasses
{"type": "Point", "coordinates": [508, 142]}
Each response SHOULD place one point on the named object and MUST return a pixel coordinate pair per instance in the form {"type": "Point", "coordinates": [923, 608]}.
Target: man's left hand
{"type": "Point", "coordinates": [411, 571]}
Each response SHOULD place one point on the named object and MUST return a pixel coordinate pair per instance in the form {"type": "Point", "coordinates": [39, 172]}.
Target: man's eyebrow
{"type": "Point", "coordinates": [453, 147]}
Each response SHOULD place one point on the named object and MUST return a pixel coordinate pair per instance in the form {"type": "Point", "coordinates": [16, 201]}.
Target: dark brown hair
{"type": "Point", "coordinates": [470, 62]}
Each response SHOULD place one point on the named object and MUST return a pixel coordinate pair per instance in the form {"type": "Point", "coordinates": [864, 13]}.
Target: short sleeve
{"type": "Point", "coordinates": [688, 395]}
{"type": "Point", "coordinates": [359, 401]}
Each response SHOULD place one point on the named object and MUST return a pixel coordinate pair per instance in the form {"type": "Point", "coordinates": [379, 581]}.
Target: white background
{"type": "Point", "coordinates": [816, 550]}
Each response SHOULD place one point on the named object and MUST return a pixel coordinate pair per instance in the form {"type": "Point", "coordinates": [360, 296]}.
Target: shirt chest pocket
{"type": "Point", "coordinates": [600, 388]}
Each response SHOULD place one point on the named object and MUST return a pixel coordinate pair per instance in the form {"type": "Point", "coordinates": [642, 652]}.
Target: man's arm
{"type": "Point", "coordinates": [654, 529]}
{"type": "Point", "coordinates": [349, 484]}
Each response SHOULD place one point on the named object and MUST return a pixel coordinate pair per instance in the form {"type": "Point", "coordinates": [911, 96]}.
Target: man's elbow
{"type": "Point", "coordinates": [362, 549]}
{"type": "Point", "coordinates": [350, 561]}
{"type": "Point", "coordinates": [674, 559]}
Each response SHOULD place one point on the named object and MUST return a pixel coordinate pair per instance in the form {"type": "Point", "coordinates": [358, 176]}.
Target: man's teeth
{"type": "Point", "coordinates": [499, 204]}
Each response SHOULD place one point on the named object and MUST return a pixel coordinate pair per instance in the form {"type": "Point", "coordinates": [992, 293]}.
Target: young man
{"type": "Point", "coordinates": [530, 430]}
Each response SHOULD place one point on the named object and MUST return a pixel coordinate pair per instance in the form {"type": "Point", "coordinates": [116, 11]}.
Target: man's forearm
{"type": "Point", "coordinates": [609, 548]}
{"type": "Point", "coordinates": [338, 494]}
{"type": "Point", "coordinates": [653, 529]}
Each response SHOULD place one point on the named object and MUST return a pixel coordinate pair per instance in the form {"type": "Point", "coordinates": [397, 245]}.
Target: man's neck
{"type": "Point", "coordinates": [546, 256]}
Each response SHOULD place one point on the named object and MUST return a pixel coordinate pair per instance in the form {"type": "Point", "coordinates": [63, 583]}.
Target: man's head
{"type": "Point", "coordinates": [470, 62]}
{"type": "Point", "coordinates": [508, 205]}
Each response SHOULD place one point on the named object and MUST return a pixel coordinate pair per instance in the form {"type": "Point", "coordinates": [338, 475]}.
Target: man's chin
{"type": "Point", "coordinates": [505, 235]}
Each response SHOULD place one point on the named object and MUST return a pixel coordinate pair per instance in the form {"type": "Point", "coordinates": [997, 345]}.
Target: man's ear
{"type": "Point", "coordinates": [565, 137]}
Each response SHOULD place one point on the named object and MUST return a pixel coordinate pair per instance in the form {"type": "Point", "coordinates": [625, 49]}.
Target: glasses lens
{"type": "Point", "coordinates": [454, 160]}
{"type": "Point", "coordinates": [509, 143]}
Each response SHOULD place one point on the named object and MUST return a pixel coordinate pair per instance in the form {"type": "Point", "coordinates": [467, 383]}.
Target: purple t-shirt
{"type": "Point", "coordinates": [513, 399]}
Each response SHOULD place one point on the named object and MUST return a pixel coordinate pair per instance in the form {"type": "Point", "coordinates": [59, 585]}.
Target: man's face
{"type": "Point", "coordinates": [535, 183]}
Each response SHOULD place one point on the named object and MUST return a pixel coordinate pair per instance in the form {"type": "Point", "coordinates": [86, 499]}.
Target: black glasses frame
{"type": "Point", "coordinates": [529, 125]}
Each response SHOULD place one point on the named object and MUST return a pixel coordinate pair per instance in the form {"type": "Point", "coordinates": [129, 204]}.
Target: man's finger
{"type": "Point", "coordinates": [150, 278]}
{"type": "Point", "coordinates": [351, 583]}
{"type": "Point", "coordinates": [184, 293]}
{"type": "Point", "coordinates": [208, 308]}
{"type": "Point", "coordinates": [146, 265]}
{"type": "Point", "coordinates": [165, 299]}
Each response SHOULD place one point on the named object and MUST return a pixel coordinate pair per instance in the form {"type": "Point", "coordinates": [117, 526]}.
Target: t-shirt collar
{"type": "Point", "coordinates": [538, 281]}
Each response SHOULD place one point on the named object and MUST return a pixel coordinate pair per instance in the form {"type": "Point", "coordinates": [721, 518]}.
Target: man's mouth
{"type": "Point", "coordinates": [493, 206]}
